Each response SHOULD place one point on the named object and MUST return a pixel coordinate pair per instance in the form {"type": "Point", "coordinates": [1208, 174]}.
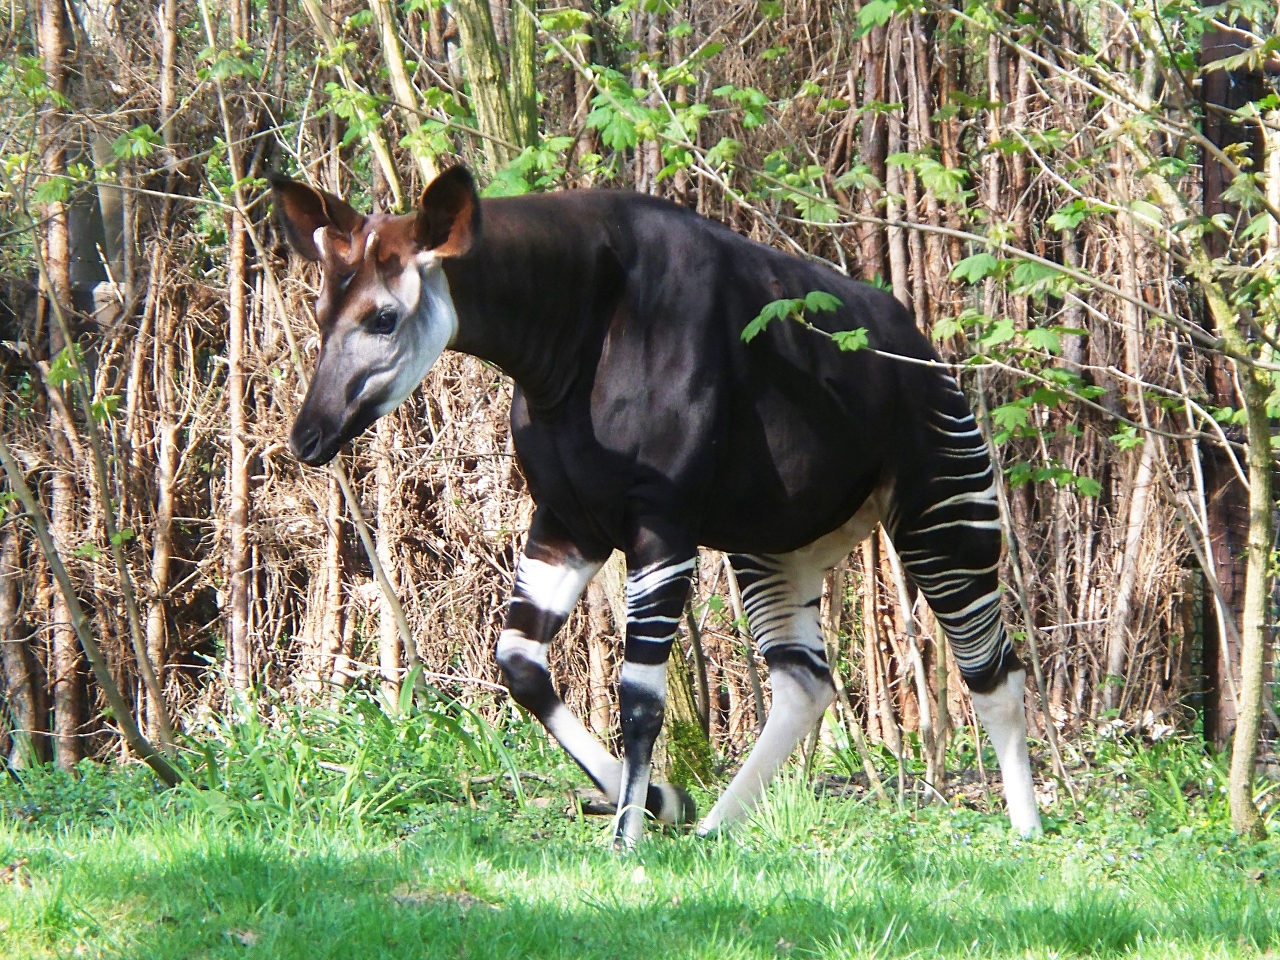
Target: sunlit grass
{"type": "Point", "coordinates": [115, 869]}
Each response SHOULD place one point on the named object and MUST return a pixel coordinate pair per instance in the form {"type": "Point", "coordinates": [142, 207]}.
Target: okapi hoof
{"type": "Point", "coordinates": [674, 805]}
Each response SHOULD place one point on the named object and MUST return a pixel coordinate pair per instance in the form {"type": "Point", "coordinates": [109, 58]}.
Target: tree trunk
{"type": "Point", "coordinates": [65, 662]}
{"type": "Point", "coordinates": [158, 313]}
{"type": "Point", "coordinates": [1122, 604]}
{"type": "Point", "coordinates": [598, 695]}
{"type": "Point", "coordinates": [239, 666]}
{"type": "Point", "coordinates": [161, 554]}
{"type": "Point", "coordinates": [490, 100]}
{"type": "Point", "coordinates": [393, 56]}
{"type": "Point", "coordinates": [1253, 638]}
{"type": "Point", "coordinates": [875, 142]}
{"type": "Point", "coordinates": [389, 647]}
{"type": "Point", "coordinates": [22, 688]}
{"type": "Point", "coordinates": [879, 700]}
{"type": "Point", "coordinates": [524, 69]}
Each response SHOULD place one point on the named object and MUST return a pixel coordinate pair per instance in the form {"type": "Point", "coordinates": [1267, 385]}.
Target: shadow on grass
{"type": "Point", "coordinates": [444, 894]}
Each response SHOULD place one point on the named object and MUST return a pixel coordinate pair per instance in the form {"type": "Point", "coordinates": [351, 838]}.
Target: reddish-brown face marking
{"type": "Point", "coordinates": [356, 266]}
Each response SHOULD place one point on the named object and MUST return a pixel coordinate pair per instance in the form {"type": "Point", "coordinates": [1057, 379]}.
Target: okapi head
{"type": "Point", "coordinates": [384, 310]}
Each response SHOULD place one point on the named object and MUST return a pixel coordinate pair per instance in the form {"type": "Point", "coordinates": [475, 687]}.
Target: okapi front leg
{"type": "Point", "coordinates": [656, 595]}
{"type": "Point", "coordinates": [549, 579]}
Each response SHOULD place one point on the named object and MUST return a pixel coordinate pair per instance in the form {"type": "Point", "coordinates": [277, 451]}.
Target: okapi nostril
{"type": "Point", "coordinates": [304, 441]}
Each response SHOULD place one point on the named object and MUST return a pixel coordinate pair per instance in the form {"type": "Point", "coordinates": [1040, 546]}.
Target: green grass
{"type": "Point", "coordinates": [1145, 867]}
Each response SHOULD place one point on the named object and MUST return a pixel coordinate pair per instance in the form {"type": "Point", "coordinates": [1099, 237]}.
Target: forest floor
{"type": "Point", "coordinates": [102, 864]}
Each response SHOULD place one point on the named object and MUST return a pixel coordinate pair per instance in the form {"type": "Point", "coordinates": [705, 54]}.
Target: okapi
{"type": "Point", "coordinates": [643, 422]}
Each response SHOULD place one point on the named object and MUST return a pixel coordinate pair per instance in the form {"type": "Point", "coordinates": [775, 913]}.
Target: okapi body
{"type": "Point", "coordinates": [643, 422]}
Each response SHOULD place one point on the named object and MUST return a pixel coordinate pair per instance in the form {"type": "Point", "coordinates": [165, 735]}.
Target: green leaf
{"type": "Point", "coordinates": [565, 19]}
{"type": "Point", "coordinates": [1070, 216]}
{"type": "Point", "coordinates": [104, 409]}
{"type": "Point", "coordinates": [947, 327]}
{"type": "Point", "coordinates": [1088, 486]}
{"type": "Point", "coordinates": [774, 310]}
{"type": "Point", "coordinates": [141, 141]}
{"type": "Point", "coordinates": [1043, 338]}
{"type": "Point", "coordinates": [724, 152]}
{"type": "Point", "coordinates": [1126, 438]}
{"type": "Point", "coordinates": [876, 13]}
{"type": "Point", "coordinates": [815, 209]}
{"type": "Point", "coordinates": [821, 301]}
{"type": "Point", "coordinates": [1018, 474]}
{"type": "Point", "coordinates": [1028, 272]}
{"type": "Point", "coordinates": [53, 190]}
{"type": "Point", "coordinates": [975, 268]}
{"type": "Point", "coordinates": [947, 183]}
{"type": "Point", "coordinates": [851, 340]}
{"type": "Point", "coordinates": [1010, 416]}
{"type": "Point", "coordinates": [858, 177]}
{"type": "Point", "coordinates": [1033, 279]}
{"type": "Point", "coordinates": [63, 369]}
{"type": "Point", "coordinates": [617, 131]}
{"type": "Point", "coordinates": [1000, 332]}
{"type": "Point", "coordinates": [1147, 211]}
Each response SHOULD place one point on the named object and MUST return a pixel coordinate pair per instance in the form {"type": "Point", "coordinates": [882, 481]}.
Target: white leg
{"type": "Point", "coordinates": [1002, 716]}
{"type": "Point", "coordinates": [780, 594]}
{"type": "Point", "coordinates": [798, 704]}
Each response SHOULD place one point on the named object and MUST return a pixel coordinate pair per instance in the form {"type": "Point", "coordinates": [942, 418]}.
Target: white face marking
{"type": "Point", "coordinates": [429, 325]}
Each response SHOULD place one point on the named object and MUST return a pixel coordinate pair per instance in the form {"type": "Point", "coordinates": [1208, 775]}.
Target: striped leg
{"type": "Point", "coordinates": [946, 529]}
{"type": "Point", "coordinates": [656, 595]}
{"type": "Point", "coordinates": [549, 579]}
{"type": "Point", "coordinates": [781, 596]}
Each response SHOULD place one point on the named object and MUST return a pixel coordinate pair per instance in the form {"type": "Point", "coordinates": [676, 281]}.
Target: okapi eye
{"type": "Point", "coordinates": [384, 322]}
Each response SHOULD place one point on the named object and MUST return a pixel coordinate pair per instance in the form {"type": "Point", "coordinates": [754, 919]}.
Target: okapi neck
{"type": "Point", "coordinates": [528, 296]}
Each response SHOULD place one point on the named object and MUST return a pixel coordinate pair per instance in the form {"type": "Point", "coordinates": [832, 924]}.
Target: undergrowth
{"type": "Point", "coordinates": [411, 830]}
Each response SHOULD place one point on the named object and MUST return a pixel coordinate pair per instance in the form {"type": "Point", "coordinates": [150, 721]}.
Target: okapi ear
{"type": "Point", "coordinates": [448, 214]}
{"type": "Point", "coordinates": [303, 210]}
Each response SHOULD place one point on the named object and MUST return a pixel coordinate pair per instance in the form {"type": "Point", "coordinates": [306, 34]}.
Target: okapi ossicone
{"type": "Point", "coordinates": [643, 422]}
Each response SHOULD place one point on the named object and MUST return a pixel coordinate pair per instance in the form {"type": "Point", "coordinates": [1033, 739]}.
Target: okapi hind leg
{"type": "Point", "coordinates": [781, 595]}
{"type": "Point", "coordinates": [944, 522]}
{"type": "Point", "coordinates": [549, 579]}
{"type": "Point", "coordinates": [1003, 717]}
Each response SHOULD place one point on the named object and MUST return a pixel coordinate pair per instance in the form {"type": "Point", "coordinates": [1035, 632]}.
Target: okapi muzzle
{"type": "Point", "coordinates": [384, 312]}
